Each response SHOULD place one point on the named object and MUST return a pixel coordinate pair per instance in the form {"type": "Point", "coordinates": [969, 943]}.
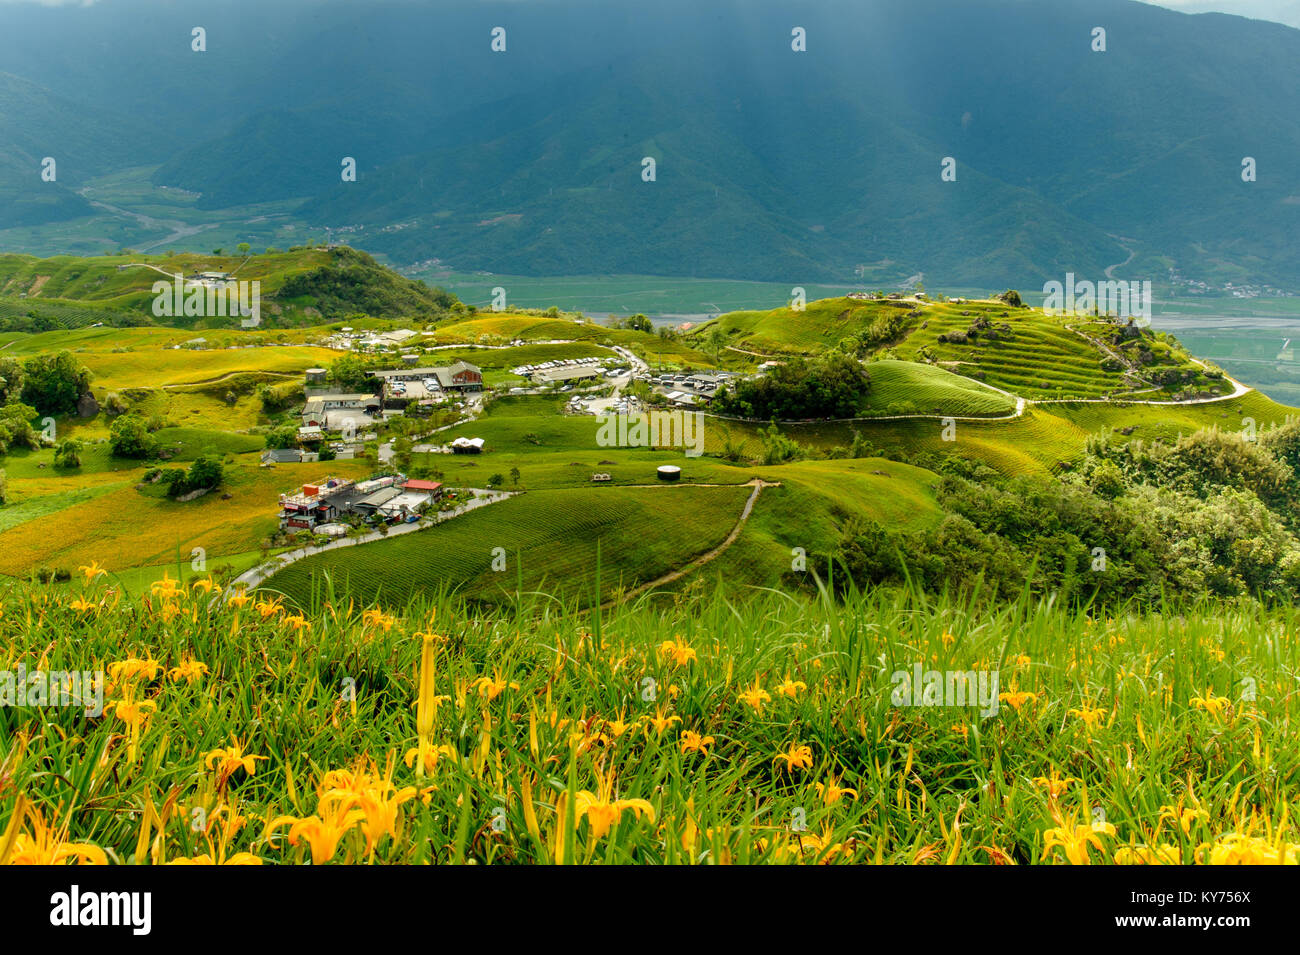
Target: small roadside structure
{"type": "Point", "coordinates": [546, 376]}
{"type": "Point", "coordinates": [429, 490]}
{"type": "Point", "coordinates": [467, 446]}
{"type": "Point", "coordinates": [669, 472]}
{"type": "Point", "coordinates": [601, 478]}
{"type": "Point", "coordinates": [281, 456]}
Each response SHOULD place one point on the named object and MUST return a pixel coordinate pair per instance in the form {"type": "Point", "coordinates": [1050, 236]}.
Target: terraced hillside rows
{"type": "Point", "coordinates": [905, 387]}
{"type": "Point", "coordinates": [548, 541]}
{"type": "Point", "coordinates": [1025, 351]}
{"type": "Point", "coordinates": [62, 314]}
{"type": "Point", "coordinates": [1019, 350]}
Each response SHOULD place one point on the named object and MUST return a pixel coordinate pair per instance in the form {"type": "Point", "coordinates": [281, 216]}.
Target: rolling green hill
{"type": "Point", "coordinates": [906, 387]}
{"type": "Point", "coordinates": [1019, 350]}
{"type": "Point", "coordinates": [301, 286]}
{"type": "Point", "coordinates": [548, 540]}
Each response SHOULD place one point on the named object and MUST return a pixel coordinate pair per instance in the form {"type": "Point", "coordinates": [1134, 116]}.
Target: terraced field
{"type": "Point", "coordinates": [905, 387]}
{"type": "Point", "coordinates": [70, 315]}
{"type": "Point", "coordinates": [549, 539]}
{"type": "Point", "coordinates": [1039, 358]}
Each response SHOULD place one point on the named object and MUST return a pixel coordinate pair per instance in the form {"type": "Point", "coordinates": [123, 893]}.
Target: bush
{"type": "Point", "coordinates": [130, 438]}
{"type": "Point", "coordinates": [204, 474]}
{"type": "Point", "coordinates": [68, 454]}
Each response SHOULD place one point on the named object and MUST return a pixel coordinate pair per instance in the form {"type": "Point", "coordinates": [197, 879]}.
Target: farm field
{"type": "Point", "coordinates": [548, 541]}
{"type": "Point", "coordinates": [905, 387]}
{"type": "Point", "coordinates": [118, 526]}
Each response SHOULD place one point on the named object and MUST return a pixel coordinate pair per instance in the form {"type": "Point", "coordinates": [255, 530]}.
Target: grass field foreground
{"type": "Point", "coordinates": [709, 731]}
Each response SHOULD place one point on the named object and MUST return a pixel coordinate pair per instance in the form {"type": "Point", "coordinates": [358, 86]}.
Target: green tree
{"type": "Point", "coordinates": [286, 437]}
{"type": "Point", "coordinates": [130, 438]}
{"type": "Point", "coordinates": [11, 379]}
{"type": "Point", "coordinates": [351, 374]}
{"type": "Point", "coordinates": [716, 340]}
{"type": "Point", "coordinates": [16, 427]}
{"type": "Point", "coordinates": [53, 383]}
{"type": "Point", "coordinates": [205, 472]}
{"type": "Point", "coordinates": [68, 454]}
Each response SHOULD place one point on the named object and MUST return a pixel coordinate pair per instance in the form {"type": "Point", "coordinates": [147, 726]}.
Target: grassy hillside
{"type": "Point", "coordinates": [817, 325]}
{"type": "Point", "coordinates": [122, 526]}
{"type": "Point", "coordinates": [296, 287]}
{"type": "Point", "coordinates": [1021, 350]}
{"type": "Point", "coordinates": [502, 327]}
{"type": "Point", "coordinates": [587, 701]}
{"type": "Point", "coordinates": [549, 539]}
{"type": "Point", "coordinates": [902, 387]}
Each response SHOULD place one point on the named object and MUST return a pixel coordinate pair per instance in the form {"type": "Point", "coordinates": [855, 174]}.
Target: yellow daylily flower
{"type": "Point", "coordinates": [189, 670]}
{"type": "Point", "coordinates": [791, 688]}
{"type": "Point", "coordinates": [677, 651]}
{"type": "Point", "coordinates": [692, 741]}
{"type": "Point", "coordinates": [1075, 840]}
{"type": "Point", "coordinates": [44, 845]}
{"type": "Point", "coordinates": [796, 756]}
{"type": "Point", "coordinates": [603, 811]}
{"type": "Point", "coordinates": [754, 697]}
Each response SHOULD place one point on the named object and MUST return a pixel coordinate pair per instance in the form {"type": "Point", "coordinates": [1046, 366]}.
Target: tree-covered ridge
{"type": "Point", "coordinates": [1212, 513]}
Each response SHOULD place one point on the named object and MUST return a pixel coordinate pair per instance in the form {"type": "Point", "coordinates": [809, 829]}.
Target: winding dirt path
{"type": "Point", "coordinates": [757, 483]}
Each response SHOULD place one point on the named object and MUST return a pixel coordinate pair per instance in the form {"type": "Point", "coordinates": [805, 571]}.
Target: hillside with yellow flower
{"type": "Point", "coordinates": [235, 730]}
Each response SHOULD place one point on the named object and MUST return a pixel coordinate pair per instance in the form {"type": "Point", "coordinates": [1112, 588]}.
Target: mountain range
{"type": "Point", "coordinates": [770, 164]}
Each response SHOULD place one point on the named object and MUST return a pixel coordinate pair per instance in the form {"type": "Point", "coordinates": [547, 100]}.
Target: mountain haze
{"type": "Point", "coordinates": [771, 164]}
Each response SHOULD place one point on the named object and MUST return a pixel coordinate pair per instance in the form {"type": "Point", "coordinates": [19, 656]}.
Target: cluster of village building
{"type": "Point", "coordinates": [323, 508]}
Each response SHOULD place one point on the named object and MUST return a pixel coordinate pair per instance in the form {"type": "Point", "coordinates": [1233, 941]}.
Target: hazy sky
{"type": "Point", "coordinates": [1282, 11]}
